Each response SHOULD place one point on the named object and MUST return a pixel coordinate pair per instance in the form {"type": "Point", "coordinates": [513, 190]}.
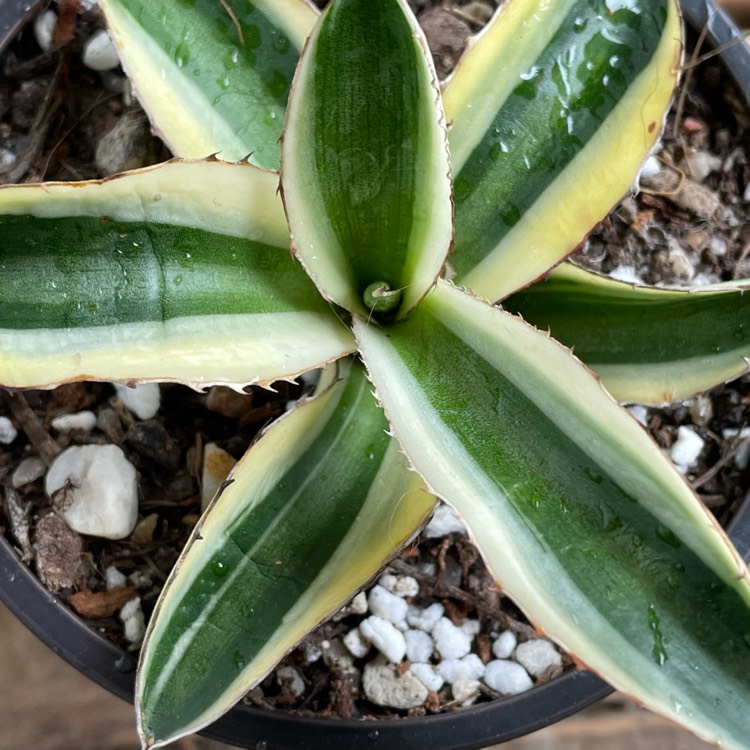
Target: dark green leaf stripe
{"type": "Point", "coordinates": [577, 513]}
{"type": "Point", "coordinates": [648, 345]}
{"type": "Point", "coordinates": [578, 86]}
{"type": "Point", "coordinates": [365, 168]}
{"type": "Point", "coordinates": [290, 540]}
{"type": "Point", "coordinates": [209, 85]}
{"type": "Point", "coordinates": [84, 271]}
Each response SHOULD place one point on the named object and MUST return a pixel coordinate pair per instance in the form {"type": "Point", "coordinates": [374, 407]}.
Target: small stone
{"type": "Point", "coordinates": [8, 433]}
{"type": "Point", "coordinates": [537, 656]}
{"type": "Point", "coordinates": [639, 413]}
{"type": "Point", "coordinates": [428, 674]}
{"type": "Point", "coordinates": [505, 644]}
{"type": "Point", "coordinates": [701, 409]}
{"type": "Point", "coordinates": [384, 687]}
{"type": "Point", "coordinates": [336, 655]}
{"type": "Point", "coordinates": [446, 35]}
{"type": "Point", "coordinates": [44, 27]}
{"type": "Point", "coordinates": [99, 53]}
{"type": "Point", "coordinates": [7, 160]}
{"type": "Point", "coordinates": [399, 585]}
{"type": "Point", "coordinates": [29, 470]}
{"type": "Point", "coordinates": [717, 246]}
{"type": "Point", "coordinates": [470, 627]}
{"type": "Point", "coordinates": [626, 274]}
{"type": "Point", "coordinates": [114, 578]}
{"type": "Point", "coordinates": [58, 553]}
{"type": "Point", "coordinates": [129, 144]}
{"type": "Point", "coordinates": [217, 464]}
{"type": "Point", "coordinates": [143, 533]}
{"type": "Point", "coordinates": [357, 606]}
{"type": "Point", "coordinates": [465, 690]}
{"type": "Point", "coordinates": [686, 449]}
{"type": "Point", "coordinates": [702, 164]}
{"type": "Point", "coordinates": [419, 645]}
{"type": "Point", "coordinates": [311, 650]}
{"type": "Point", "coordinates": [450, 641]}
{"type": "Point", "coordinates": [444, 521]}
{"type": "Point", "coordinates": [424, 619]}
{"type": "Point", "coordinates": [101, 488]}
{"type": "Point", "coordinates": [85, 421]}
{"type": "Point", "coordinates": [507, 677]}
{"type": "Point", "coordinates": [387, 605]}
{"type": "Point", "coordinates": [385, 637]}
{"type": "Point", "coordinates": [143, 399]}
{"type": "Point", "coordinates": [742, 454]}
{"type": "Point", "coordinates": [470, 667]}
{"type": "Point", "coordinates": [651, 167]}
{"type": "Point", "coordinates": [357, 644]}
{"type": "Point", "coordinates": [132, 619]}
{"type": "Point", "coordinates": [293, 680]}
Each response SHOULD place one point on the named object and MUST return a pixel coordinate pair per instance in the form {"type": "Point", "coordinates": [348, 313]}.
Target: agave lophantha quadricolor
{"type": "Point", "coordinates": [182, 273]}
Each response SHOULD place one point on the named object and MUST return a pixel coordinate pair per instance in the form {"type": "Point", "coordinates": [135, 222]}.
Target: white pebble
{"type": "Point", "coordinates": [7, 160]}
{"type": "Point", "coordinates": [742, 455]}
{"type": "Point", "coordinates": [384, 687]}
{"type": "Point", "coordinates": [470, 667]}
{"type": "Point", "coordinates": [651, 167]}
{"type": "Point", "coordinates": [336, 655]}
{"type": "Point", "coordinates": [399, 585]}
{"type": "Point", "coordinates": [357, 606]}
{"type": "Point", "coordinates": [702, 164]}
{"type": "Point", "coordinates": [99, 53]}
{"type": "Point", "coordinates": [503, 647]}
{"type": "Point", "coordinates": [470, 627]}
{"type": "Point", "coordinates": [29, 470]}
{"type": "Point", "coordinates": [8, 433]}
{"type": "Point", "coordinates": [115, 579]}
{"type": "Point", "coordinates": [428, 674]}
{"type": "Point", "coordinates": [292, 678]}
{"type": "Point", "coordinates": [450, 641]}
{"type": "Point", "coordinates": [419, 645]}
{"type": "Point", "coordinates": [385, 637]}
{"type": "Point", "coordinates": [387, 605]}
{"type": "Point", "coordinates": [103, 489]}
{"type": "Point", "coordinates": [82, 420]}
{"type": "Point", "coordinates": [717, 245]}
{"type": "Point", "coordinates": [686, 449]}
{"type": "Point", "coordinates": [44, 27]}
{"type": "Point", "coordinates": [639, 413]}
{"type": "Point", "coordinates": [143, 399]}
{"type": "Point", "coordinates": [465, 690]}
{"type": "Point", "coordinates": [507, 677]}
{"type": "Point", "coordinates": [311, 650]}
{"type": "Point", "coordinates": [424, 619]}
{"type": "Point", "coordinates": [626, 274]}
{"type": "Point", "coordinates": [132, 619]}
{"type": "Point", "coordinates": [357, 643]}
{"type": "Point", "coordinates": [444, 521]}
{"type": "Point", "coordinates": [537, 656]}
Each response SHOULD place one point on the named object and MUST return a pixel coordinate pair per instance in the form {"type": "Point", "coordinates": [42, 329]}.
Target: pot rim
{"type": "Point", "coordinates": [478, 726]}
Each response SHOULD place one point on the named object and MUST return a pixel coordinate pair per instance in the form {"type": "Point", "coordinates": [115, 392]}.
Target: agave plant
{"type": "Point", "coordinates": [182, 273]}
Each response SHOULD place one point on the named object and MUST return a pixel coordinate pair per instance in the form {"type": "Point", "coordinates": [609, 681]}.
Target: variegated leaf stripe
{"type": "Point", "coordinates": [647, 345]}
{"type": "Point", "coordinates": [364, 160]}
{"type": "Point", "coordinates": [553, 109]}
{"type": "Point", "coordinates": [135, 278]}
{"type": "Point", "coordinates": [579, 516]}
{"type": "Point", "coordinates": [313, 511]}
{"type": "Point", "coordinates": [213, 76]}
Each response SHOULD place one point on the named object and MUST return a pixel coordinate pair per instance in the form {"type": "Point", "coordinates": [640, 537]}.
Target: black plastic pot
{"type": "Point", "coordinates": [475, 727]}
